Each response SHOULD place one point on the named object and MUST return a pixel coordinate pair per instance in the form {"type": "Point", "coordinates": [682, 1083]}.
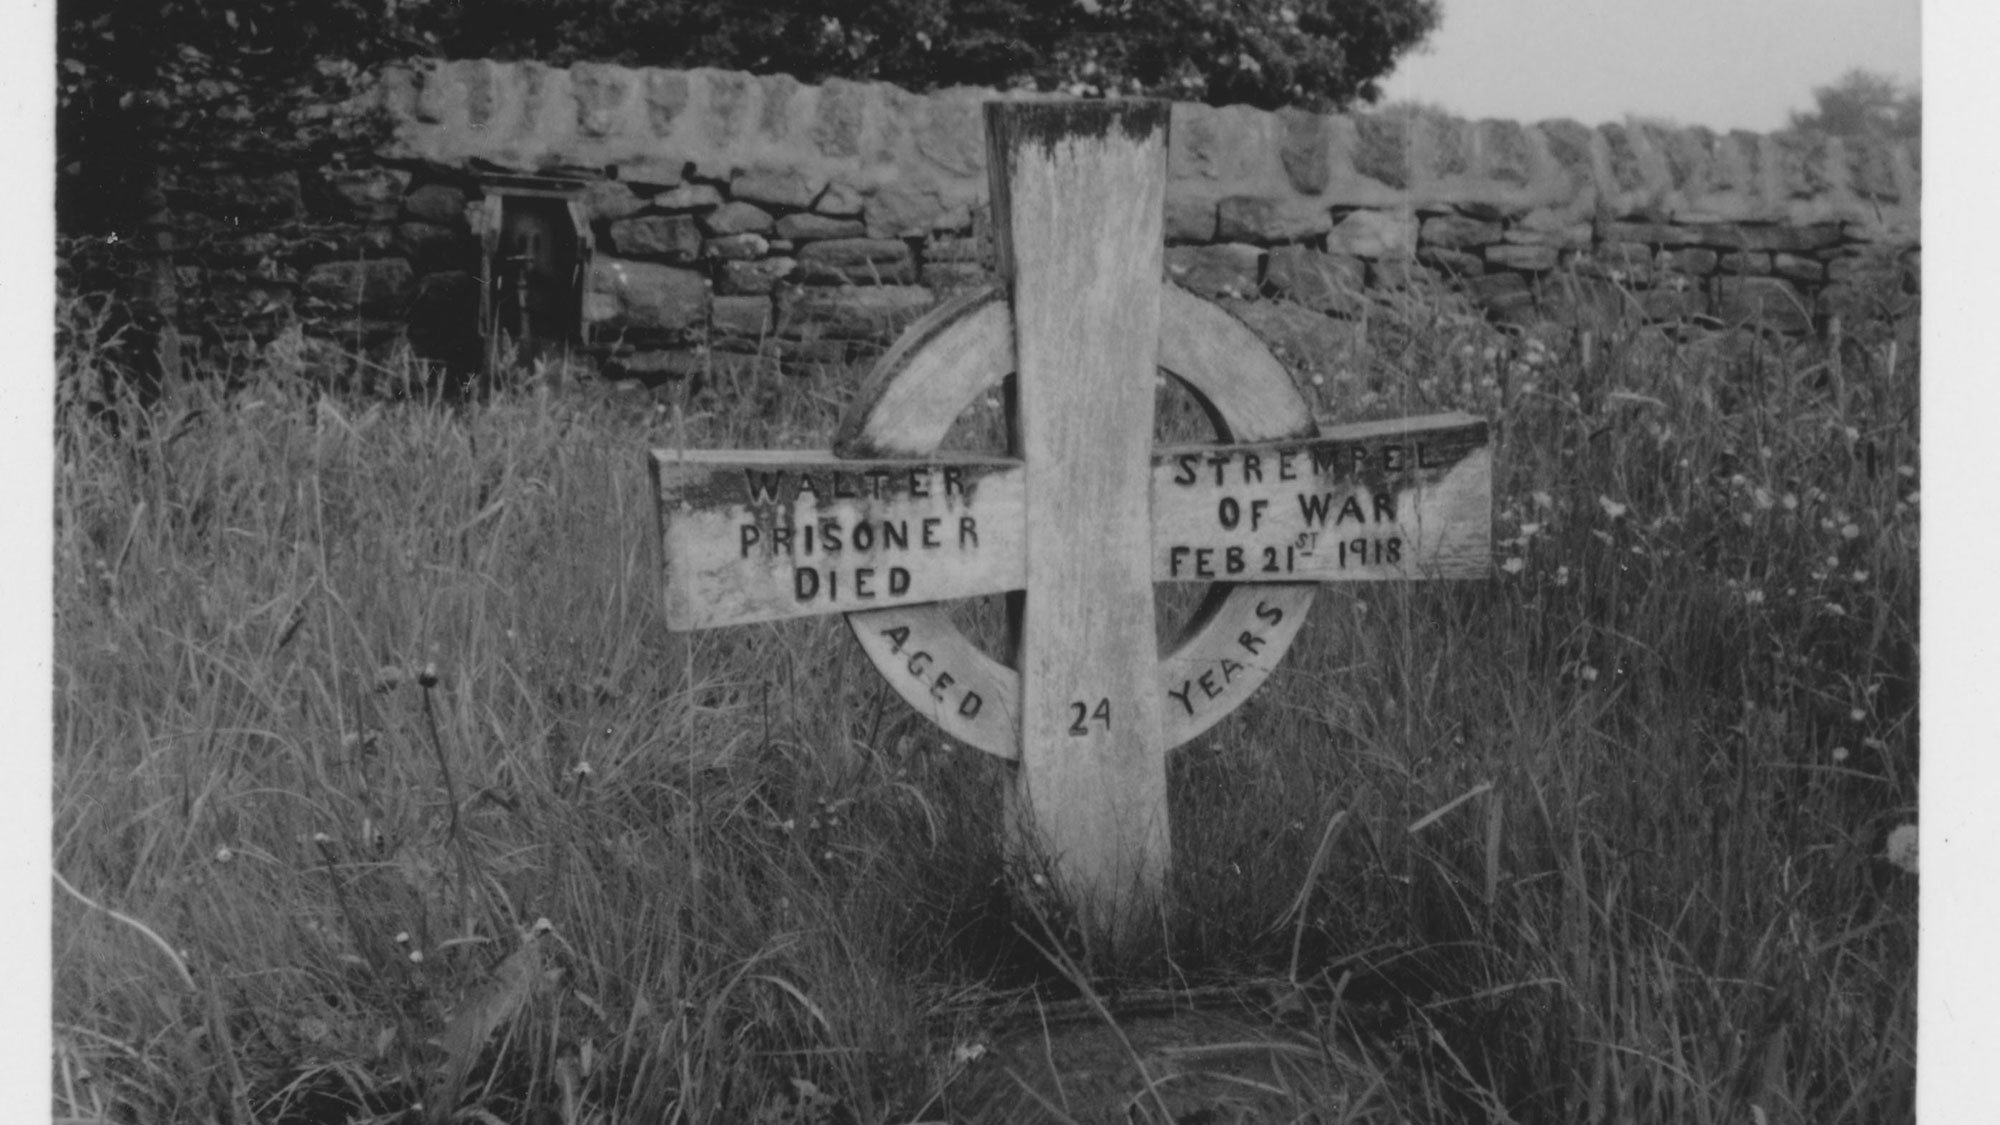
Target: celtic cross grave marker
{"type": "Point", "coordinates": [1085, 515]}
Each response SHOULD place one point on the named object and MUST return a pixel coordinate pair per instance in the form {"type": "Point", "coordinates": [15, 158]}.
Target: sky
{"type": "Point", "coordinates": [1726, 64]}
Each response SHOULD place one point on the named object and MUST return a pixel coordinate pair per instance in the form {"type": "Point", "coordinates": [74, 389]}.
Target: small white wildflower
{"type": "Point", "coordinates": [582, 769]}
{"type": "Point", "coordinates": [1514, 565]}
{"type": "Point", "coordinates": [1762, 497]}
{"type": "Point", "coordinates": [403, 937]}
{"type": "Point", "coordinates": [1542, 499]}
{"type": "Point", "coordinates": [1906, 471]}
{"type": "Point", "coordinates": [223, 854]}
{"type": "Point", "coordinates": [1562, 576]}
{"type": "Point", "coordinates": [1753, 597]}
{"type": "Point", "coordinates": [967, 1053]}
{"type": "Point", "coordinates": [1901, 849]}
{"type": "Point", "coordinates": [416, 956]}
{"type": "Point", "coordinates": [1738, 481]}
{"type": "Point", "coordinates": [1860, 576]}
{"type": "Point", "coordinates": [1318, 379]}
{"type": "Point", "coordinates": [322, 838]}
{"type": "Point", "coordinates": [1611, 507]}
{"type": "Point", "coordinates": [1791, 502]}
{"type": "Point", "coordinates": [1850, 531]}
{"type": "Point", "coordinates": [1589, 674]}
{"type": "Point", "coordinates": [1857, 715]}
{"type": "Point", "coordinates": [1840, 753]}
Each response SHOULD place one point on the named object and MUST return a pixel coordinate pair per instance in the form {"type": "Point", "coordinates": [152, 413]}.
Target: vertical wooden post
{"type": "Point", "coordinates": [1078, 194]}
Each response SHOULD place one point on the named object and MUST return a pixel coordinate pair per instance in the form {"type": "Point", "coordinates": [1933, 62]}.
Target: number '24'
{"type": "Point", "coordinates": [1083, 713]}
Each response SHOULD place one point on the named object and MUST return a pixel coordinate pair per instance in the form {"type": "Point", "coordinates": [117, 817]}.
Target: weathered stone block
{"type": "Point", "coordinates": [666, 97]}
{"type": "Point", "coordinates": [383, 285]}
{"type": "Point", "coordinates": [665, 238]}
{"type": "Point", "coordinates": [1696, 261]}
{"type": "Point", "coordinates": [1569, 146]}
{"type": "Point", "coordinates": [842, 200]}
{"type": "Point", "coordinates": [1738, 263]}
{"type": "Point", "coordinates": [441, 204]}
{"type": "Point", "coordinates": [687, 197]}
{"type": "Point", "coordinates": [609, 200]}
{"type": "Point", "coordinates": [775, 188]}
{"type": "Point", "coordinates": [860, 261]}
{"type": "Point", "coordinates": [1768, 301]}
{"type": "Point", "coordinates": [643, 297]}
{"type": "Point", "coordinates": [736, 218]}
{"type": "Point", "coordinates": [1374, 234]}
{"type": "Point", "coordinates": [761, 276]}
{"type": "Point", "coordinates": [1534, 259]}
{"type": "Point", "coordinates": [736, 247]}
{"type": "Point", "coordinates": [654, 174]}
{"type": "Point", "coordinates": [903, 211]}
{"type": "Point", "coordinates": [741, 316]}
{"type": "Point", "coordinates": [1248, 218]}
{"type": "Point", "coordinates": [1190, 218]}
{"type": "Point", "coordinates": [1797, 268]}
{"type": "Point", "coordinates": [1568, 236]}
{"type": "Point", "coordinates": [1382, 149]}
{"type": "Point", "coordinates": [951, 134]}
{"type": "Point", "coordinates": [1654, 234]}
{"type": "Point", "coordinates": [1452, 263]}
{"type": "Point", "coordinates": [1504, 153]}
{"type": "Point", "coordinates": [1457, 232]}
{"type": "Point", "coordinates": [1224, 270]}
{"type": "Point", "coordinates": [1770, 237]}
{"type": "Point", "coordinates": [1315, 279]}
{"type": "Point", "coordinates": [863, 312]}
{"type": "Point", "coordinates": [1306, 150]}
{"type": "Point", "coordinates": [368, 195]}
{"type": "Point", "coordinates": [600, 92]}
{"type": "Point", "coordinates": [842, 105]}
{"type": "Point", "coordinates": [806, 227]}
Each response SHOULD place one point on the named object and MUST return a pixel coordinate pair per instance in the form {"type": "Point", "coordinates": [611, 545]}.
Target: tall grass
{"type": "Point", "coordinates": [380, 786]}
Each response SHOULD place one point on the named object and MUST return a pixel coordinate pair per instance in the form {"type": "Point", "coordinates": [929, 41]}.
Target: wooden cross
{"type": "Point", "coordinates": [1085, 516]}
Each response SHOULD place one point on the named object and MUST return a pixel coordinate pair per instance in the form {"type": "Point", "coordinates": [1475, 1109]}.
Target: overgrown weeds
{"type": "Point", "coordinates": [364, 713]}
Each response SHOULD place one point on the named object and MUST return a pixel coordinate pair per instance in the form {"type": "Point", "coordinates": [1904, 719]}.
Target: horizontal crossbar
{"type": "Point", "coordinates": [766, 535]}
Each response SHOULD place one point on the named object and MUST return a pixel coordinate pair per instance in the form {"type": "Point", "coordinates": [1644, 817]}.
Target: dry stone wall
{"type": "Point", "coordinates": [737, 215]}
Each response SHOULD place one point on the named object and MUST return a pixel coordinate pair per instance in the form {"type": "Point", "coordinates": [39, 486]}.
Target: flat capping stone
{"type": "Point", "coordinates": [517, 183]}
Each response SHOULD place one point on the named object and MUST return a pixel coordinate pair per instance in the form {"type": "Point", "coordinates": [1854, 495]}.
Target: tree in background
{"type": "Point", "coordinates": [1319, 53]}
{"type": "Point", "coordinates": [1862, 103]}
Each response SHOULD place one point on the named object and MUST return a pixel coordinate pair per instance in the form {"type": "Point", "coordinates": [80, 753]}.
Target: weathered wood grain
{"type": "Point", "coordinates": [1081, 188]}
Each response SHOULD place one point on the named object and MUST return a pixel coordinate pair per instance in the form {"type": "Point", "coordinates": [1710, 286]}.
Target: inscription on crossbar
{"type": "Point", "coordinates": [762, 536]}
